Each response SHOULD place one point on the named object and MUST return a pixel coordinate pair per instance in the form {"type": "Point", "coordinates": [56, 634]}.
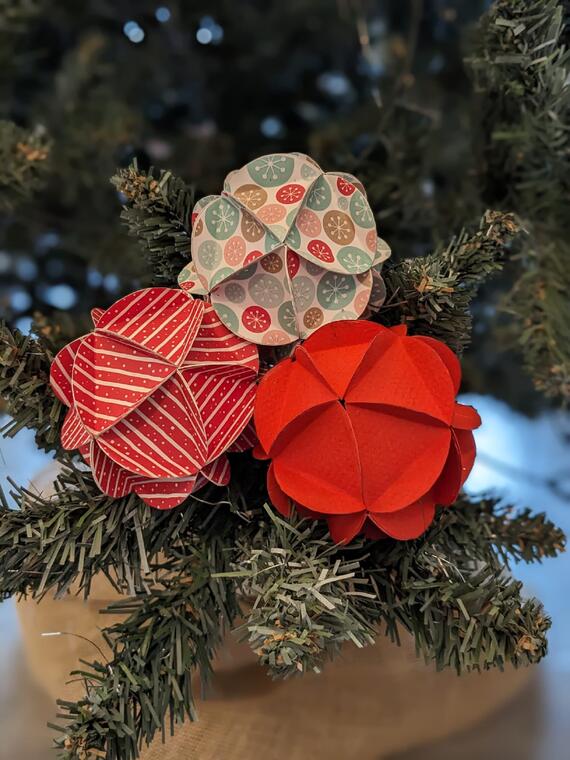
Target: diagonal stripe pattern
{"type": "Point", "coordinates": [156, 393]}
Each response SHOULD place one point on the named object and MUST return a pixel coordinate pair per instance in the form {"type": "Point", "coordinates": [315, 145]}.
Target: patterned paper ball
{"type": "Point", "coordinates": [286, 248]}
{"type": "Point", "coordinates": [156, 394]}
{"type": "Point", "coordinates": [362, 429]}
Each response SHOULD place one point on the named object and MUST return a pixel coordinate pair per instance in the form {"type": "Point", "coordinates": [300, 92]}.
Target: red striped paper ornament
{"type": "Point", "coordinates": [157, 394]}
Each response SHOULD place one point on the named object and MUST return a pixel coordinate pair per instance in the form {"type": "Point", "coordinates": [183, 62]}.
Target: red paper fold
{"type": "Point", "coordinates": [362, 428]}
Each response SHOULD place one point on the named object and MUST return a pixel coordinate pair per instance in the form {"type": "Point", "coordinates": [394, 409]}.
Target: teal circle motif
{"type": "Point", "coordinates": [266, 290]}
{"type": "Point", "coordinates": [228, 316]}
{"type": "Point", "coordinates": [271, 171]}
{"type": "Point", "coordinates": [360, 210]}
{"type": "Point", "coordinates": [293, 238]}
{"type": "Point", "coordinates": [220, 276]}
{"type": "Point", "coordinates": [209, 254]}
{"type": "Point", "coordinates": [287, 318]}
{"type": "Point", "coordinates": [221, 219]}
{"type": "Point", "coordinates": [354, 259]}
{"type": "Point", "coordinates": [319, 196]}
{"type": "Point", "coordinates": [335, 291]}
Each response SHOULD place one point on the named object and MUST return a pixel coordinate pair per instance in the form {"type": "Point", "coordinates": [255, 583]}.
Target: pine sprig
{"type": "Point", "coordinates": [432, 294]}
{"type": "Point", "coordinates": [448, 589]}
{"type": "Point", "coordinates": [540, 300]}
{"type": "Point", "coordinates": [24, 386]}
{"type": "Point", "coordinates": [169, 634]}
{"type": "Point", "coordinates": [24, 162]}
{"type": "Point", "coordinates": [157, 212]}
{"type": "Point", "coordinates": [309, 598]}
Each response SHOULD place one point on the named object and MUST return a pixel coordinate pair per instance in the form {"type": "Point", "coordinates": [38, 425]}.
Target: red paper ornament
{"type": "Point", "coordinates": [157, 393]}
{"type": "Point", "coordinates": [363, 429]}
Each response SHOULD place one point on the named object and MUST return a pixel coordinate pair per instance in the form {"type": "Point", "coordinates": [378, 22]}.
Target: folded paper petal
{"type": "Point", "coordinates": [343, 528]}
{"type": "Point", "coordinates": [161, 320]}
{"type": "Point", "coordinates": [285, 250]}
{"type": "Point", "coordinates": [74, 434]}
{"type": "Point", "coordinates": [111, 377]}
{"type": "Point", "coordinates": [408, 523]}
{"type": "Point", "coordinates": [61, 371]}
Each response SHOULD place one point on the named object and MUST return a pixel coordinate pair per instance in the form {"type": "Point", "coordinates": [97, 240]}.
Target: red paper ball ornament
{"type": "Point", "coordinates": [362, 428]}
{"type": "Point", "coordinates": [156, 394]}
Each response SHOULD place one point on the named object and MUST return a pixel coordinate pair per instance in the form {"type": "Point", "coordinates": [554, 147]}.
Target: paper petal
{"type": "Point", "coordinates": [110, 377]}
{"type": "Point", "coordinates": [163, 321]}
{"type": "Point", "coordinates": [465, 417]}
{"type": "Point", "coordinates": [343, 528]}
{"type": "Point", "coordinates": [111, 478]}
{"type": "Point", "coordinates": [448, 484]}
{"type": "Point", "coordinates": [224, 397]}
{"type": "Point", "coordinates": [406, 374]}
{"type": "Point", "coordinates": [214, 344]}
{"type": "Point", "coordinates": [162, 438]}
{"type": "Point", "coordinates": [61, 371]}
{"type": "Point", "coordinates": [317, 462]}
{"type": "Point", "coordinates": [447, 356]}
{"type": "Point", "coordinates": [278, 498]}
{"type": "Point", "coordinates": [279, 400]}
{"type": "Point", "coordinates": [165, 494]}
{"type": "Point", "coordinates": [73, 433]}
{"type": "Point", "coordinates": [409, 523]}
{"type": "Point", "coordinates": [245, 441]}
{"type": "Point", "coordinates": [353, 339]}
{"type": "Point", "coordinates": [217, 472]}
{"type": "Point", "coordinates": [467, 450]}
{"type": "Point", "coordinates": [96, 315]}
{"type": "Point", "coordinates": [403, 462]}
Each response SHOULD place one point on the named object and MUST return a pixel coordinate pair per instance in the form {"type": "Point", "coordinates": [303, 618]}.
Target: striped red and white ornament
{"type": "Point", "coordinates": [157, 394]}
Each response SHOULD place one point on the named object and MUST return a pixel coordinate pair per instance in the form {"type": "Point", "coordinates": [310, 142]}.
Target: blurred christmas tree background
{"type": "Point", "coordinates": [422, 100]}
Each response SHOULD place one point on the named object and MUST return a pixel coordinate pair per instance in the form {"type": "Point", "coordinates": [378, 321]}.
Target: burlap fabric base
{"type": "Point", "coordinates": [365, 705]}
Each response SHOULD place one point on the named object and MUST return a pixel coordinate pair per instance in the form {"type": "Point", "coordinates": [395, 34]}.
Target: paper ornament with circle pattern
{"type": "Point", "coordinates": [157, 394]}
{"type": "Point", "coordinates": [286, 249]}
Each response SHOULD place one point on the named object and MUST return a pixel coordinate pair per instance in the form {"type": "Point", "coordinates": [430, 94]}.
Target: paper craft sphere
{"type": "Point", "coordinates": [156, 394]}
{"type": "Point", "coordinates": [285, 249]}
{"type": "Point", "coordinates": [362, 428]}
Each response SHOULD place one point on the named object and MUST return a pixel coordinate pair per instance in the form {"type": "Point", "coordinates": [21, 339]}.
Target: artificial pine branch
{"type": "Point", "coordinates": [24, 386]}
{"type": "Point", "coordinates": [24, 162]}
{"type": "Point", "coordinates": [520, 66]}
{"type": "Point", "coordinates": [157, 211]}
{"type": "Point", "coordinates": [309, 598]}
{"type": "Point", "coordinates": [53, 542]}
{"type": "Point", "coordinates": [168, 634]}
{"type": "Point", "coordinates": [432, 294]}
{"type": "Point", "coordinates": [540, 299]}
{"type": "Point", "coordinates": [447, 588]}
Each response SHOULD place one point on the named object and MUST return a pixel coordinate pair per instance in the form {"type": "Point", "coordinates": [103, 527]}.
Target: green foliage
{"type": "Point", "coordinates": [447, 588]}
{"type": "Point", "coordinates": [308, 598]}
{"type": "Point", "coordinates": [25, 161]}
{"type": "Point", "coordinates": [157, 212]}
{"type": "Point", "coordinates": [24, 386]}
{"type": "Point", "coordinates": [169, 633]}
{"type": "Point", "coordinates": [541, 301]}
{"type": "Point", "coordinates": [521, 66]}
{"type": "Point", "coordinates": [432, 294]}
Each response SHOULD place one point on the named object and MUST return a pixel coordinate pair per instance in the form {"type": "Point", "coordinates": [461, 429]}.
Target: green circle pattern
{"type": "Point", "coordinates": [271, 171]}
{"type": "Point", "coordinates": [335, 291]}
{"type": "Point", "coordinates": [360, 210]}
{"type": "Point", "coordinates": [319, 196]}
{"type": "Point", "coordinates": [293, 238]}
{"type": "Point", "coordinates": [221, 219]}
{"type": "Point", "coordinates": [354, 259]}
{"type": "Point", "coordinates": [228, 316]}
{"type": "Point", "coordinates": [220, 276]}
{"type": "Point", "coordinates": [287, 318]}
{"type": "Point", "coordinates": [209, 254]}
